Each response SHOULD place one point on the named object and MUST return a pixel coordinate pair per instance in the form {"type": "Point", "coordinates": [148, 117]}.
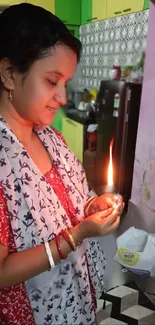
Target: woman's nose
{"type": "Point", "coordinates": [61, 98]}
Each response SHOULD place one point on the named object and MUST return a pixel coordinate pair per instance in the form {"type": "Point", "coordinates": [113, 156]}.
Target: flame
{"type": "Point", "coordinates": [110, 166]}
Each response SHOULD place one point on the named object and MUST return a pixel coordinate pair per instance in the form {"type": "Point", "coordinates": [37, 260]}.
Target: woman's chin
{"type": "Point", "coordinates": [47, 121]}
{"type": "Point", "coordinates": [42, 124]}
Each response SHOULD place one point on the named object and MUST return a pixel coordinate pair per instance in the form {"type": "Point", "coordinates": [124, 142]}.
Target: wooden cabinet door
{"type": "Point", "coordinates": [98, 10]}
{"type": "Point", "coordinates": [114, 8]}
{"type": "Point", "coordinates": [86, 12]}
{"type": "Point", "coordinates": [73, 134]}
{"type": "Point", "coordinates": [69, 11]}
{"type": "Point", "coordinates": [130, 6]}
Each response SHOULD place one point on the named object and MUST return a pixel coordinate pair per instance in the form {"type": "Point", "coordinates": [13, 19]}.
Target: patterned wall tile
{"type": "Point", "coordinates": [116, 41]}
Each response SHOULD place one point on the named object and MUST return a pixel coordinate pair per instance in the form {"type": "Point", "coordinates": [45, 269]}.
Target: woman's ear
{"type": "Point", "coordinates": [6, 74]}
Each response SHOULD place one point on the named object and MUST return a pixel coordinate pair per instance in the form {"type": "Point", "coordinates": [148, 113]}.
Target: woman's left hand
{"type": "Point", "coordinates": [104, 202]}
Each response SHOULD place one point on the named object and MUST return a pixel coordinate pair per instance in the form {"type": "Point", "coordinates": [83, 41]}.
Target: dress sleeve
{"type": "Point", "coordinates": [4, 218]}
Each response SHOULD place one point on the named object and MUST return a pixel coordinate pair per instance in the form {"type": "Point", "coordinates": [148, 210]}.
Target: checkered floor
{"type": "Point", "coordinates": [126, 304]}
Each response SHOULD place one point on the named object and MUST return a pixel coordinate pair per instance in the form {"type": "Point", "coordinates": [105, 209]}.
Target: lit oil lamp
{"type": "Point", "coordinates": [110, 187]}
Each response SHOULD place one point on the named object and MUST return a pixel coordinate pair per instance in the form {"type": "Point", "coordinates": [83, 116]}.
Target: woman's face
{"type": "Point", "coordinates": [38, 97]}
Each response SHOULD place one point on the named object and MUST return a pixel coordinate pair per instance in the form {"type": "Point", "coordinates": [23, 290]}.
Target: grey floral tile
{"type": "Point", "coordinates": [116, 41]}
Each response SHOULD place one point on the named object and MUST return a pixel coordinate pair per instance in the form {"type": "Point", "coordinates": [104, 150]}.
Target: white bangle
{"type": "Point", "coordinates": [49, 254]}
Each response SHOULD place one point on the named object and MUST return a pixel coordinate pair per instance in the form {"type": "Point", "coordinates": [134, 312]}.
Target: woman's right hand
{"type": "Point", "coordinates": [101, 223]}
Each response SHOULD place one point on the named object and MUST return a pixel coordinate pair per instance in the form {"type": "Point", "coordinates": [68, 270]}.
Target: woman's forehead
{"type": "Point", "coordinates": [61, 61]}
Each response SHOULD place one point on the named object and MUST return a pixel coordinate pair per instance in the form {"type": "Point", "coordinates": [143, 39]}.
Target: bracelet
{"type": "Point", "coordinates": [49, 254]}
{"type": "Point", "coordinates": [87, 206]}
{"type": "Point", "coordinates": [70, 240]}
{"type": "Point", "coordinates": [65, 236]}
{"type": "Point", "coordinates": [62, 257]}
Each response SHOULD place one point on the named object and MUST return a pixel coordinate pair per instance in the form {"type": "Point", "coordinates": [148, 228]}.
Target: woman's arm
{"type": "Point", "coordinates": [21, 266]}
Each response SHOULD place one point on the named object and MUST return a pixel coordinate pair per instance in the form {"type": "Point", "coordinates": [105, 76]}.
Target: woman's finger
{"type": "Point", "coordinates": [110, 200]}
{"type": "Point", "coordinates": [113, 216]}
{"type": "Point", "coordinates": [115, 224]}
{"type": "Point", "coordinates": [104, 213]}
{"type": "Point", "coordinates": [121, 208]}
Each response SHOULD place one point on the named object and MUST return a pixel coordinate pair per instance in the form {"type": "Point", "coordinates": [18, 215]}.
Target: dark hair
{"type": "Point", "coordinates": [28, 32]}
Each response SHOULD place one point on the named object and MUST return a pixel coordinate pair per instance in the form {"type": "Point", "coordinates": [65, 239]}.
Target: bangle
{"type": "Point", "coordinates": [70, 240]}
{"type": "Point", "coordinates": [65, 236]}
{"type": "Point", "coordinates": [49, 254]}
{"type": "Point", "coordinates": [62, 257]}
{"type": "Point", "coordinates": [87, 206]}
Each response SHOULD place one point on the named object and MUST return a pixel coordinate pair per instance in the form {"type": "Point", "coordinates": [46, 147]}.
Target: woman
{"type": "Point", "coordinates": [50, 273]}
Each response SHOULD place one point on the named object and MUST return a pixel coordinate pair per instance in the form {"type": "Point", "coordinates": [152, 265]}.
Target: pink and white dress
{"type": "Point", "coordinates": [33, 209]}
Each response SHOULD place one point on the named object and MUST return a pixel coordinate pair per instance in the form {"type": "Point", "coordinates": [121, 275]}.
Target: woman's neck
{"type": "Point", "coordinates": [20, 127]}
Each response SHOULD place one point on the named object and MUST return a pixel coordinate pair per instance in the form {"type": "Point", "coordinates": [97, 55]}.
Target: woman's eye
{"type": "Point", "coordinates": [53, 83]}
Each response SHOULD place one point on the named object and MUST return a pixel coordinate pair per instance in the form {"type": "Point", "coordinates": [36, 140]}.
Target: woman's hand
{"type": "Point", "coordinates": [101, 223]}
{"type": "Point", "coordinates": [104, 202]}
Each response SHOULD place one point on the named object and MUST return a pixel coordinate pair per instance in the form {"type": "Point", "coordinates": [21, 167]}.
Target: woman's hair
{"type": "Point", "coordinates": [28, 32]}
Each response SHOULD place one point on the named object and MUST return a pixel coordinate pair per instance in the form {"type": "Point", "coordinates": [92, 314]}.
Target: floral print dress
{"type": "Point", "coordinates": [69, 299]}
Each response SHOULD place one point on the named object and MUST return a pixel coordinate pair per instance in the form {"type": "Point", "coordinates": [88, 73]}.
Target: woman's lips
{"type": "Point", "coordinates": [52, 109]}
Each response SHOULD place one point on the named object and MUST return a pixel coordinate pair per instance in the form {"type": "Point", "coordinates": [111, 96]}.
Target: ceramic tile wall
{"type": "Point", "coordinates": [117, 41]}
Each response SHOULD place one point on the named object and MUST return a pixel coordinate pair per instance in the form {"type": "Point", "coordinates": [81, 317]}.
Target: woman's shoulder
{"type": "Point", "coordinates": [59, 135]}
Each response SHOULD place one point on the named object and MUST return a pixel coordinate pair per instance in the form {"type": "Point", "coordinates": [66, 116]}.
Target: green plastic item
{"type": "Point", "coordinates": [146, 4]}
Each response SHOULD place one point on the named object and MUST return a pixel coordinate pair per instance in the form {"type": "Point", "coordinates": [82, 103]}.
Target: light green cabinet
{"type": "Point", "coordinates": [114, 8]}
{"type": "Point", "coordinates": [7, 3]}
{"type": "Point", "coordinates": [46, 4]}
{"type": "Point", "coordinates": [73, 133]}
{"type": "Point", "coordinates": [130, 6]}
{"type": "Point", "coordinates": [94, 10]}
{"type": "Point", "coordinates": [123, 7]}
{"type": "Point", "coordinates": [99, 8]}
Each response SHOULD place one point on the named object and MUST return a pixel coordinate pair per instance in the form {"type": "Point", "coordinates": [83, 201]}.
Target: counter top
{"type": "Point", "coordinates": [79, 116]}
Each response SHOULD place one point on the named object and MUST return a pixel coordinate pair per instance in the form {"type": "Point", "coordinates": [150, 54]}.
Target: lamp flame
{"type": "Point", "coordinates": [110, 166]}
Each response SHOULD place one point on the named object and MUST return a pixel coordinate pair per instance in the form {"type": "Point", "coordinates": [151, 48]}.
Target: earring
{"type": "Point", "coordinates": [10, 95]}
